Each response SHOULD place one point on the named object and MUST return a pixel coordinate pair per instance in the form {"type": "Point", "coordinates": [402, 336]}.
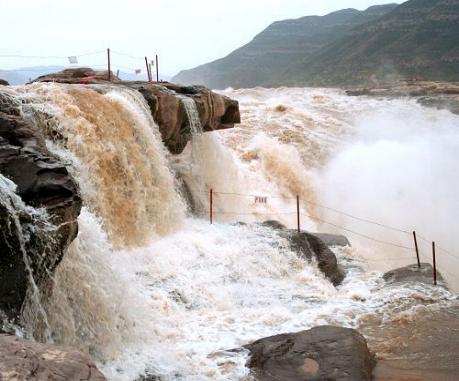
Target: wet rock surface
{"type": "Point", "coordinates": [332, 239]}
{"type": "Point", "coordinates": [22, 360]}
{"type": "Point", "coordinates": [310, 246]}
{"type": "Point", "coordinates": [412, 273]}
{"type": "Point", "coordinates": [215, 111]}
{"type": "Point", "coordinates": [42, 182]}
{"type": "Point", "coordinates": [3, 82]}
{"type": "Point", "coordinates": [321, 353]}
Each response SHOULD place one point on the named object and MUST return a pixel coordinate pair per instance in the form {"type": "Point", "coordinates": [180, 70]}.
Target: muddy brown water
{"type": "Point", "coordinates": [422, 346]}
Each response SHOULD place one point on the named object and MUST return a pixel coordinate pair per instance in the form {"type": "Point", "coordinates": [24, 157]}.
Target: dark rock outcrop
{"type": "Point", "coordinates": [321, 353]}
{"type": "Point", "coordinates": [42, 182]}
{"type": "Point", "coordinates": [310, 246]}
{"type": "Point", "coordinates": [215, 111]}
{"type": "Point", "coordinates": [3, 82]}
{"type": "Point", "coordinates": [22, 360]}
{"type": "Point", "coordinates": [412, 273]}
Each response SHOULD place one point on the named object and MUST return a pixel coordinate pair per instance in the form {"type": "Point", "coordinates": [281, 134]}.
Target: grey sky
{"type": "Point", "coordinates": [185, 33]}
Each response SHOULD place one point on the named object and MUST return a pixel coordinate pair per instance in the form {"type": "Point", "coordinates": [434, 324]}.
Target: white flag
{"type": "Point", "coordinates": [73, 59]}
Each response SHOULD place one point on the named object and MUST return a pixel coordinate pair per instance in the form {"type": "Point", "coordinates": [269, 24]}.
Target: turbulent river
{"type": "Point", "coordinates": [150, 285]}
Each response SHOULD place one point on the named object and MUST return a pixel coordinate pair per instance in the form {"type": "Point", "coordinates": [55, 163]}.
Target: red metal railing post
{"type": "Point", "coordinates": [434, 264]}
{"type": "Point", "coordinates": [157, 69]}
{"type": "Point", "coordinates": [298, 212]}
{"type": "Point", "coordinates": [210, 205]}
{"type": "Point", "coordinates": [109, 66]}
{"type": "Point", "coordinates": [417, 250]}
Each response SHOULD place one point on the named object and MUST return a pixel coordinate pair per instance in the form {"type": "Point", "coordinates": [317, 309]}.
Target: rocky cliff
{"type": "Point", "coordinates": [31, 244]}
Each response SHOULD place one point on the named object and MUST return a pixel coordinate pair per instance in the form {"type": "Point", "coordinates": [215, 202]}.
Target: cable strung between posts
{"type": "Point", "coordinates": [51, 57]}
{"type": "Point", "coordinates": [359, 234]}
{"type": "Point", "coordinates": [324, 207]}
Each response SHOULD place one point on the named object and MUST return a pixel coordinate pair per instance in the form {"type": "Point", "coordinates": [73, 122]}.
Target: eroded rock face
{"type": "Point", "coordinates": [310, 246]}
{"type": "Point", "coordinates": [321, 353]}
{"type": "Point", "coordinates": [22, 360]}
{"type": "Point", "coordinates": [41, 182]}
{"type": "Point", "coordinates": [215, 111]}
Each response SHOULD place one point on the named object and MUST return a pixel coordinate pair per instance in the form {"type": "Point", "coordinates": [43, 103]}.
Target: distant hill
{"type": "Point", "coordinates": [21, 76]}
{"type": "Point", "coordinates": [419, 38]}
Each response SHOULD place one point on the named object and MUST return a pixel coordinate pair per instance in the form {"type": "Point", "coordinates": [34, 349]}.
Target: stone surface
{"type": "Point", "coordinates": [216, 111]}
{"type": "Point", "coordinates": [321, 353]}
{"type": "Point", "coordinates": [3, 82]}
{"type": "Point", "coordinates": [22, 360]}
{"type": "Point", "coordinates": [412, 273]}
{"type": "Point", "coordinates": [332, 239]}
{"type": "Point", "coordinates": [310, 246]}
{"type": "Point", "coordinates": [80, 75]}
{"type": "Point", "coordinates": [436, 94]}
{"type": "Point", "coordinates": [42, 181]}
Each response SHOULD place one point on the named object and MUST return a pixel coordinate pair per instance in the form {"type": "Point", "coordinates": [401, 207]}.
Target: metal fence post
{"type": "Point", "coordinates": [417, 249]}
{"type": "Point", "coordinates": [210, 205]}
{"type": "Point", "coordinates": [434, 264]}
{"type": "Point", "coordinates": [298, 212]}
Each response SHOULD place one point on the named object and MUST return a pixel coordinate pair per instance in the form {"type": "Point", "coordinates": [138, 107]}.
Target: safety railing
{"type": "Point", "coordinates": [108, 59]}
{"type": "Point", "coordinates": [298, 215]}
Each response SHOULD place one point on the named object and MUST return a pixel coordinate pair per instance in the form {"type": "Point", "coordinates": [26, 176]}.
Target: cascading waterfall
{"type": "Point", "coordinates": [25, 222]}
{"type": "Point", "coordinates": [145, 288]}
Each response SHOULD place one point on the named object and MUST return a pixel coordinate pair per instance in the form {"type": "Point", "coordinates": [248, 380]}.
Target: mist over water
{"type": "Point", "coordinates": [148, 287]}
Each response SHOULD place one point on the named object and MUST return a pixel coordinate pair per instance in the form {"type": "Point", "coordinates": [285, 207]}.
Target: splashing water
{"type": "Point", "coordinates": [143, 288]}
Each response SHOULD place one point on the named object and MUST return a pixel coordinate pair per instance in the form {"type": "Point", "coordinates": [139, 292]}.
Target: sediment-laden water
{"type": "Point", "coordinates": [150, 286]}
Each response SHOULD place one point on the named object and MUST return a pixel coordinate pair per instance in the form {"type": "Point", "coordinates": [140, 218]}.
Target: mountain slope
{"type": "Point", "coordinates": [420, 38]}
{"type": "Point", "coordinates": [273, 50]}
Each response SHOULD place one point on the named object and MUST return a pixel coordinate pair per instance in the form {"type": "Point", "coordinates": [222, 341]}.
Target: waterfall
{"type": "Point", "coordinates": [193, 115]}
{"type": "Point", "coordinates": [26, 225]}
{"type": "Point", "coordinates": [146, 288]}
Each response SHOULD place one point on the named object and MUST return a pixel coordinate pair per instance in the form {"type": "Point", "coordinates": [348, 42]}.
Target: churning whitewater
{"type": "Point", "coordinates": [150, 286]}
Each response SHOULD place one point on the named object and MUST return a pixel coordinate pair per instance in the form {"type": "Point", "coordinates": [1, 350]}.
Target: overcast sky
{"type": "Point", "coordinates": [185, 33]}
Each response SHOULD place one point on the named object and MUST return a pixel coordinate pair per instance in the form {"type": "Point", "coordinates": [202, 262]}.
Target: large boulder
{"type": "Point", "coordinates": [22, 360]}
{"type": "Point", "coordinates": [310, 246]}
{"type": "Point", "coordinates": [412, 273]}
{"type": "Point", "coordinates": [321, 353]}
{"type": "Point", "coordinates": [3, 82]}
{"type": "Point", "coordinates": [165, 100]}
{"type": "Point", "coordinates": [38, 181]}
